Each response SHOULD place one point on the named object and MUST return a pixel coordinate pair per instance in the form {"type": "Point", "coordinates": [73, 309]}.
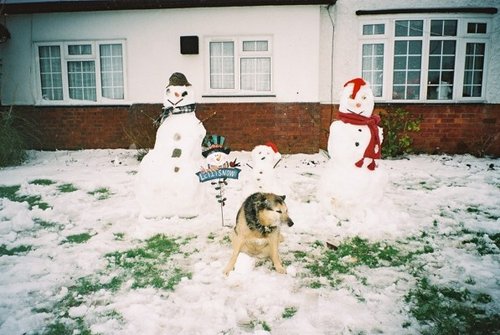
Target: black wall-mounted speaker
{"type": "Point", "coordinates": [189, 45]}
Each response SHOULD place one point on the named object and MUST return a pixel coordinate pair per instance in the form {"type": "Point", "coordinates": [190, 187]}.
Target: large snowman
{"type": "Point", "coordinates": [167, 184]}
{"type": "Point", "coordinates": [353, 181]}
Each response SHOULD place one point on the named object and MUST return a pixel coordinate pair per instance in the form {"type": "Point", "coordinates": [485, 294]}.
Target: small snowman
{"type": "Point", "coordinates": [265, 158]}
{"type": "Point", "coordinates": [353, 182]}
{"type": "Point", "coordinates": [167, 184]}
{"type": "Point", "coordinates": [216, 154]}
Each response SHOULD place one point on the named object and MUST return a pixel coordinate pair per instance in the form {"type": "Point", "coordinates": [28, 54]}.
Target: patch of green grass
{"type": "Point", "coordinates": [448, 310]}
{"type": "Point", "coordinates": [352, 253]}
{"type": "Point", "coordinates": [78, 238]}
{"type": "Point", "coordinates": [43, 182]}
{"type": "Point", "coordinates": [289, 312]}
{"type": "Point", "coordinates": [69, 326]}
{"type": "Point", "coordinates": [475, 209]}
{"type": "Point", "coordinates": [355, 252]}
{"type": "Point", "coordinates": [21, 249]}
{"type": "Point", "coordinates": [484, 243]}
{"type": "Point", "coordinates": [119, 236]}
{"type": "Point", "coordinates": [149, 266]}
{"type": "Point", "coordinates": [47, 224]}
{"type": "Point", "coordinates": [11, 193]}
{"type": "Point", "coordinates": [253, 324]}
{"type": "Point", "coordinates": [101, 193]}
{"type": "Point", "coordinates": [67, 188]}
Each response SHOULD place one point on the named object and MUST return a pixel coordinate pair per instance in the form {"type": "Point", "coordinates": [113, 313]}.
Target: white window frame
{"type": "Point", "coordinates": [237, 91]}
{"type": "Point", "coordinates": [461, 39]}
{"type": "Point", "coordinates": [65, 58]}
{"type": "Point", "coordinates": [375, 39]}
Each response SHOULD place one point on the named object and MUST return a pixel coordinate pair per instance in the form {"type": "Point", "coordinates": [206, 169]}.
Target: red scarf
{"type": "Point", "coordinates": [372, 123]}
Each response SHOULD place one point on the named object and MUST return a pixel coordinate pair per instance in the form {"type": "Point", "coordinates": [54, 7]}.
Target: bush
{"type": "Point", "coordinates": [12, 142]}
{"type": "Point", "coordinates": [397, 124]}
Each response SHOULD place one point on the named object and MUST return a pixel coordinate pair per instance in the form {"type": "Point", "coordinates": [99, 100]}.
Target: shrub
{"type": "Point", "coordinates": [12, 144]}
{"type": "Point", "coordinates": [397, 124]}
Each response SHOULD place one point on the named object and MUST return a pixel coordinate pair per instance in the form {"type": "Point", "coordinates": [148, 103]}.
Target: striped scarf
{"type": "Point", "coordinates": [174, 110]}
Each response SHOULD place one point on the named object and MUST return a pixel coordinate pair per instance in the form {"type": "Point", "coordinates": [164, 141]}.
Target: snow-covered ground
{"type": "Point", "coordinates": [58, 274]}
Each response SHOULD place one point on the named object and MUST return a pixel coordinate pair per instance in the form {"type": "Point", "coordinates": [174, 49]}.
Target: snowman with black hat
{"type": "Point", "coordinates": [167, 184]}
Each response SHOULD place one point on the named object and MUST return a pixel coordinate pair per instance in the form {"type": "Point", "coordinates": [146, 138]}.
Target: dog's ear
{"type": "Point", "coordinates": [283, 197]}
{"type": "Point", "coordinates": [261, 202]}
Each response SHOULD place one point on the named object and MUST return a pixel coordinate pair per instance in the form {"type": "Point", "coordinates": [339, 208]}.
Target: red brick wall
{"type": "Point", "coordinates": [444, 128]}
{"type": "Point", "coordinates": [294, 127]}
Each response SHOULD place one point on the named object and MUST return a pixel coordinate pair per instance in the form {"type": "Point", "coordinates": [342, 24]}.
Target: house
{"type": "Point", "coordinates": [91, 74]}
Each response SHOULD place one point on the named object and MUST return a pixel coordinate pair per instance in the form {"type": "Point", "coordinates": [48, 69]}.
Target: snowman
{"type": "Point", "coordinates": [216, 154]}
{"type": "Point", "coordinates": [353, 183]}
{"type": "Point", "coordinates": [167, 184]}
{"type": "Point", "coordinates": [264, 160]}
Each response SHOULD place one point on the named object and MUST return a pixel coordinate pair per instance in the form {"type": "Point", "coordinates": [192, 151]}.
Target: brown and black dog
{"type": "Point", "coordinates": [257, 229]}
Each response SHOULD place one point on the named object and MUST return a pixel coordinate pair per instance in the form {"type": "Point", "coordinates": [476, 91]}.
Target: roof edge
{"type": "Point", "coordinates": [108, 5]}
{"type": "Point", "coordinates": [477, 10]}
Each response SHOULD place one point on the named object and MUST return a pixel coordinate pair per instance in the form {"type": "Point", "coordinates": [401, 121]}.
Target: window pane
{"type": "Point", "coordinates": [450, 28]}
{"type": "Point", "coordinates": [111, 59]}
{"type": "Point", "coordinates": [401, 28]}
{"type": "Point", "coordinates": [255, 74]}
{"type": "Point", "coordinates": [81, 80]}
{"type": "Point", "coordinates": [416, 28]}
{"type": "Point", "coordinates": [374, 29]}
{"type": "Point", "coordinates": [222, 65]}
{"type": "Point", "coordinates": [441, 65]}
{"type": "Point", "coordinates": [401, 47]}
{"type": "Point", "coordinates": [80, 49]}
{"type": "Point", "coordinates": [473, 70]}
{"type": "Point", "coordinates": [407, 70]}
{"type": "Point", "coordinates": [373, 67]}
{"type": "Point", "coordinates": [255, 45]}
{"type": "Point", "coordinates": [50, 72]}
{"type": "Point", "coordinates": [476, 28]}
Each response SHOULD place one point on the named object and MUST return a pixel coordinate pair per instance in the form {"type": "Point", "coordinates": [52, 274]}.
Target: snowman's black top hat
{"type": "Point", "coordinates": [214, 143]}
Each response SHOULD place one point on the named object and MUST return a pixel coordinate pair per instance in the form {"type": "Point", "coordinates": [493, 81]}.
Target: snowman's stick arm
{"type": "Point", "coordinates": [208, 117]}
{"type": "Point", "coordinates": [279, 160]}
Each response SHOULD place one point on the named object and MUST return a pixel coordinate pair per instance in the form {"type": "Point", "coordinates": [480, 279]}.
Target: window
{"type": "Point", "coordinates": [373, 57]}
{"type": "Point", "coordinates": [81, 72]}
{"type": "Point", "coordinates": [240, 65]}
{"type": "Point", "coordinates": [407, 59]}
{"type": "Point", "coordinates": [433, 59]}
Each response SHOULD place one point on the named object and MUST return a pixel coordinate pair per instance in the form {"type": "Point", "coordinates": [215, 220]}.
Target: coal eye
{"type": "Point", "coordinates": [168, 90]}
{"type": "Point", "coordinates": [184, 93]}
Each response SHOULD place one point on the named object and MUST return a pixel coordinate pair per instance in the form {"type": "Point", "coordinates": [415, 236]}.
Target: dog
{"type": "Point", "coordinates": [257, 229]}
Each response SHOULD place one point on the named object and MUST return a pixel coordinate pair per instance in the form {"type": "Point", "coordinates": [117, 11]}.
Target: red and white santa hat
{"type": "Point", "coordinates": [273, 146]}
{"type": "Point", "coordinates": [358, 83]}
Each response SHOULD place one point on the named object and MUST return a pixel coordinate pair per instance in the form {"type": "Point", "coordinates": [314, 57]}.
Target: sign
{"type": "Point", "coordinates": [232, 173]}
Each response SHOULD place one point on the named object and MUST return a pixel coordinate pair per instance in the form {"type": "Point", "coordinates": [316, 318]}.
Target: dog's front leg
{"type": "Point", "coordinates": [237, 244]}
{"type": "Point", "coordinates": [275, 256]}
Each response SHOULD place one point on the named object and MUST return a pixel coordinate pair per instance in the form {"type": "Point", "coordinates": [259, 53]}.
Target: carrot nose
{"type": "Point", "coordinates": [358, 104]}
{"type": "Point", "coordinates": [177, 94]}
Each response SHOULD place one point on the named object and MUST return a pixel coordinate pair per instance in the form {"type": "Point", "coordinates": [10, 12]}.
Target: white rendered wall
{"type": "Point", "coordinates": [346, 63]}
{"type": "Point", "coordinates": [152, 47]}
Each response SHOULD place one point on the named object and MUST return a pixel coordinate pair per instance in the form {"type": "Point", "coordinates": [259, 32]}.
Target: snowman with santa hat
{"type": "Point", "coordinates": [265, 158]}
{"type": "Point", "coordinates": [166, 183]}
{"type": "Point", "coordinates": [353, 182]}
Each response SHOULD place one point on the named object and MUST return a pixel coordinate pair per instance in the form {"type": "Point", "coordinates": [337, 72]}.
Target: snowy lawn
{"type": "Point", "coordinates": [76, 258]}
